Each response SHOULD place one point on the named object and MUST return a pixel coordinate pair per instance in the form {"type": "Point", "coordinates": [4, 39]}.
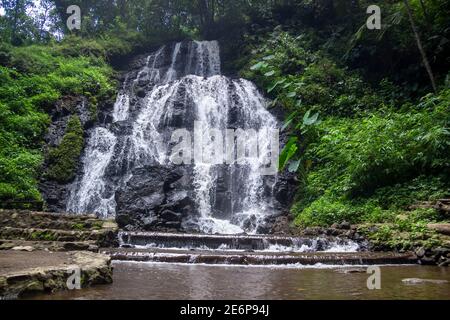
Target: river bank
{"type": "Point", "coordinates": [429, 242]}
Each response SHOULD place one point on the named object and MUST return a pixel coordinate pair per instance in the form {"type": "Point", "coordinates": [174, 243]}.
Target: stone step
{"type": "Point", "coordinates": [55, 225]}
{"type": "Point", "coordinates": [43, 226]}
{"type": "Point", "coordinates": [32, 234]}
{"type": "Point", "coordinates": [229, 242]}
{"type": "Point", "coordinates": [44, 220]}
{"type": "Point", "coordinates": [53, 246]}
{"type": "Point", "coordinates": [258, 258]}
{"type": "Point", "coordinates": [49, 215]}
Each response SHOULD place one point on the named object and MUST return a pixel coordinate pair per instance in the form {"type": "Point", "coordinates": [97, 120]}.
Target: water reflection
{"type": "Point", "coordinates": [178, 281]}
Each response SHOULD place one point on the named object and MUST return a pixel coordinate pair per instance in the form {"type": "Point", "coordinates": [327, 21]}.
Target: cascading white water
{"type": "Point", "coordinates": [172, 72]}
{"type": "Point", "coordinates": [91, 188]}
{"type": "Point", "coordinates": [211, 98]}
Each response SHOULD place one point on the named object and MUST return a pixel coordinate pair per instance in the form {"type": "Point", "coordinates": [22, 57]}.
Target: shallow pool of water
{"type": "Point", "coordinates": [151, 281]}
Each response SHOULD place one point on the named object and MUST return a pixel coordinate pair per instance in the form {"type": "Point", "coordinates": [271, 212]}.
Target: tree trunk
{"type": "Point", "coordinates": [427, 17]}
{"type": "Point", "coordinates": [419, 45]}
{"type": "Point", "coordinates": [203, 12]}
{"type": "Point", "coordinates": [15, 22]}
{"type": "Point", "coordinates": [213, 10]}
{"type": "Point", "coordinates": [424, 9]}
{"type": "Point", "coordinates": [46, 6]}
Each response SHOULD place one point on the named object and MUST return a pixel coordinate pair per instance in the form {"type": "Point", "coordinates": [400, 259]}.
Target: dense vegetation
{"type": "Point", "coordinates": [367, 111]}
{"type": "Point", "coordinates": [32, 79]}
{"type": "Point", "coordinates": [356, 146]}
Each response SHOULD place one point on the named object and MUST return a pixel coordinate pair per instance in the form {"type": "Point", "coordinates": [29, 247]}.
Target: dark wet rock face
{"type": "Point", "coordinates": [155, 197]}
{"type": "Point", "coordinates": [126, 169]}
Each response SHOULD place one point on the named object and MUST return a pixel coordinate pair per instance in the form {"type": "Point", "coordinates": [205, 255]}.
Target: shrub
{"type": "Point", "coordinates": [383, 147]}
{"type": "Point", "coordinates": [369, 169]}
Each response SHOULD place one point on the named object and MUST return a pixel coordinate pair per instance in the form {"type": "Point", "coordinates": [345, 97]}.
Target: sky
{"type": "Point", "coordinates": [36, 3]}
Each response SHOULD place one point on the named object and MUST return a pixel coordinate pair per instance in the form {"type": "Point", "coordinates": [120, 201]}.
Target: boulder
{"type": "Point", "coordinates": [156, 196]}
{"type": "Point", "coordinates": [23, 248]}
{"type": "Point", "coordinates": [423, 281]}
{"type": "Point", "coordinates": [420, 252]}
{"type": "Point", "coordinates": [442, 228]}
{"type": "Point", "coordinates": [42, 271]}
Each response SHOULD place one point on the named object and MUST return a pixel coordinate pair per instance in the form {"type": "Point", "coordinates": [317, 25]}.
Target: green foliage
{"type": "Point", "coordinates": [43, 235]}
{"type": "Point", "coordinates": [373, 167]}
{"type": "Point", "coordinates": [18, 172]}
{"type": "Point", "coordinates": [63, 159]}
{"type": "Point", "coordinates": [302, 79]}
{"type": "Point", "coordinates": [406, 232]}
{"type": "Point", "coordinates": [323, 208]}
{"type": "Point", "coordinates": [16, 26]}
{"type": "Point", "coordinates": [310, 85]}
{"type": "Point", "coordinates": [79, 227]}
{"type": "Point", "coordinates": [327, 210]}
{"type": "Point", "coordinates": [32, 79]}
{"type": "Point", "coordinates": [387, 146]}
{"type": "Point", "coordinates": [104, 47]}
{"type": "Point", "coordinates": [395, 44]}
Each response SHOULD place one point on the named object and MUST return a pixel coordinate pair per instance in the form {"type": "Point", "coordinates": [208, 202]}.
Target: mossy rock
{"type": "Point", "coordinates": [63, 160]}
{"type": "Point", "coordinates": [44, 235]}
{"type": "Point", "coordinates": [79, 227]}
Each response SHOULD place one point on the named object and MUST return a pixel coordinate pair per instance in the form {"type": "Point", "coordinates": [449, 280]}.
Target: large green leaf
{"type": "Point", "coordinates": [293, 167]}
{"type": "Point", "coordinates": [310, 120]}
{"type": "Point", "coordinates": [271, 57]}
{"type": "Point", "coordinates": [276, 84]}
{"type": "Point", "coordinates": [289, 120]}
{"type": "Point", "coordinates": [259, 66]}
{"type": "Point", "coordinates": [291, 94]}
{"type": "Point", "coordinates": [288, 152]}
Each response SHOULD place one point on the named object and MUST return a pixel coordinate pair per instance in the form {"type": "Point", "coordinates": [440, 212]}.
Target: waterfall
{"type": "Point", "coordinates": [91, 188]}
{"type": "Point", "coordinates": [183, 88]}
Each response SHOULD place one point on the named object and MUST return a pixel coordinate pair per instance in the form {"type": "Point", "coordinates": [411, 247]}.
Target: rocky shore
{"type": "Point", "coordinates": [40, 251]}
{"type": "Point", "coordinates": [438, 254]}
{"type": "Point", "coordinates": [23, 272]}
